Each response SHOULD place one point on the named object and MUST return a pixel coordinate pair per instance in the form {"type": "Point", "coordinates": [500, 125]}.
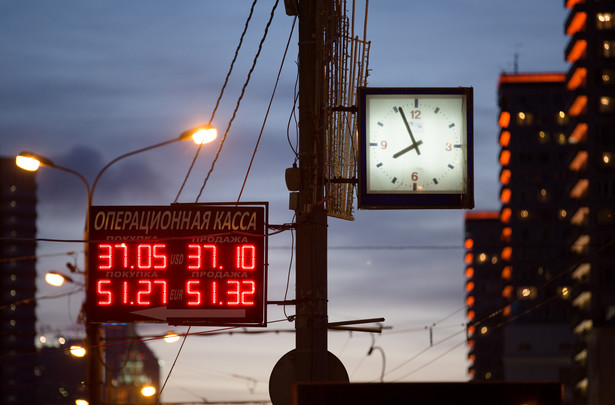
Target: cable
{"type": "Point", "coordinates": [292, 29]}
{"type": "Point", "coordinates": [243, 90]}
{"type": "Point", "coordinates": [228, 74]}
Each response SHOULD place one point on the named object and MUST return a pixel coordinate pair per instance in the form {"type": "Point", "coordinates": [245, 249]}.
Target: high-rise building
{"type": "Point", "coordinates": [535, 226]}
{"type": "Point", "coordinates": [484, 301]}
{"type": "Point", "coordinates": [17, 284]}
{"type": "Point", "coordinates": [591, 82]}
{"type": "Point", "coordinates": [523, 272]}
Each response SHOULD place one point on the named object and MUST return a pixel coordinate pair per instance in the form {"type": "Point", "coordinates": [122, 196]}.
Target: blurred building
{"type": "Point", "coordinates": [60, 374]}
{"type": "Point", "coordinates": [17, 284]}
{"type": "Point", "coordinates": [591, 82]}
{"type": "Point", "coordinates": [484, 302]}
{"type": "Point", "coordinates": [520, 321]}
{"type": "Point", "coordinates": [129, 366]}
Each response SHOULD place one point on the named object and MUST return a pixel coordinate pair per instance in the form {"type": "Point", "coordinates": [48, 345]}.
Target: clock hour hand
{"type": "Point", "coordinates": [408, 149]}
{"type": "Point", "coordinates": [415, 144]}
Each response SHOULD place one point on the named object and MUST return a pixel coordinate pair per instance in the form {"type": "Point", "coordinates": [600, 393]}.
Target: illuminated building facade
{"type": "Point", "coordinates": [525, 333]}
{"type": "Point", "coordinates": [484, 301]}
{"type": "Point", "coordinates": [17, 284]}
{"type": "Point", "coordinates": [591, 82]}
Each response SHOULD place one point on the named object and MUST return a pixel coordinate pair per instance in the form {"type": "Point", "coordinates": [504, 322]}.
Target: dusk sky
{"type": "Point", "coordinates": [84, 82]}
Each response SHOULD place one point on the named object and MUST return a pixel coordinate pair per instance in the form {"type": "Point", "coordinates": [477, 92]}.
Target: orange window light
{"type": "Point", "coordinates": [505, 138]}
{"type": "Point", "coordinates": [469, 286]}
{"type": "Point", "coordinates": [577, 78]}
{"type": "Point", "coordinates": [505, 195]}
{"type": "Point", "coordinates": [470, 300]}
{"type": "Point", "coordinates": [507, 291]}
{"type": "Point", "coordinates": [579, 162]}
{"type": "Point", "coordinates": [579, 133]}
{"type": "Point", "coordinates": [577, 51]}
{"type": "Point", "coordinates": [505, 176]}
{"type": "Point", "coordinates": [506, 253]}
{"type": "Point", "coordinates": [504, 157]}
{"type": "Point", "coordinates": [506, 234]}
{"type": "Point", "coordinates": [578, 105]}
{"type": "Point", "coordinates": [507, 311]}
{"type": "Point", "coordinates": [506, 214]}
{"type": "Point", "coordinates": [469, 258]}
{"type": "Point", "coordinates": [470, 272]}
{"type": "Point", "coordinates": [504, 119]}
{"type": "Point", "coordinates": [577, 23]}
{"type": "Point", "coordinates": [507, 272]}
{"type": "Point", "coordinates": [469, 243]}
{"type": "Point", "coordinates": [580, 189]}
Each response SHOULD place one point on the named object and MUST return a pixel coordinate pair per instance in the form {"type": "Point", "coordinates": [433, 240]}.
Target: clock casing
{"type": "Point", "coordinates": [415, 148]}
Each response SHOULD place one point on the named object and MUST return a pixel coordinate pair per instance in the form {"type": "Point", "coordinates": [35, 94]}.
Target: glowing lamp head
{"type": "Point", "coordinates": [77, 351]}
{"type": "Point", "coordinates": [204, 135]}
{"type": "Point", "coordinates": [148, 391]}
{"type": "Point", "coordinates": [55, 279]}
{"type": "Point", "coordinates": [171, 337]}
{"type": "Point", "coordinates": [30, 161]}
{"type": "Point", "coordinates": [27, 163]}
{"type": "Point", "coordinates": [200, 135]}
{"type": "Point", "coordinates": [81, 402]}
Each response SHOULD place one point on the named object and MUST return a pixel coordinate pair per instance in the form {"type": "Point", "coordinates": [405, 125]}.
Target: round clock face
{"type": "Point", "coordinates": [416, 143]}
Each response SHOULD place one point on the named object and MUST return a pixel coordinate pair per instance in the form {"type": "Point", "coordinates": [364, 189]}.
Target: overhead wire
{"type": "Point", "coordinates": [275, 87]}
{"type": "Point", "coordinates": [226, 79]}
{"type": "Point", "coordinates": [243, 90]}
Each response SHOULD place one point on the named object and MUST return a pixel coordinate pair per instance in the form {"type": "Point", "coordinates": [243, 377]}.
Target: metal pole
{"type": "Point", "coordinates": [311, 250]}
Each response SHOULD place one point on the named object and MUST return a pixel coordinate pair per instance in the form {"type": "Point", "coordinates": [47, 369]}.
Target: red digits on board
{"type": "Point", "coordinates": [246, 257]}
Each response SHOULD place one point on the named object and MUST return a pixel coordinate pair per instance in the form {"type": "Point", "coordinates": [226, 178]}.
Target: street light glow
{"type": "Point", "coordinates": [27, 163]}
{"type": "Point", "coordinates": [205, 135]}
{"type": "Point", "coordinates": [148, 391]}
{"type": "Point", "coordinates": [55, 279]}
{"type": "Point", "coordinates": [171, 337]}
{"type": "Point", "coordinates": [77, 351]}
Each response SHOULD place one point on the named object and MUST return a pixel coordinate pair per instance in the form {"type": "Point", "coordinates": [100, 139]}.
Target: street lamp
{"type": "Point", "coordinates": [31, 162]}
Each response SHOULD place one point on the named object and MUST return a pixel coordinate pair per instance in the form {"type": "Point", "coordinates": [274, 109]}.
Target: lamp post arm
{"type": "Point", "coordinates": [125, 155]}
{"type": "Point", "coordinates": [88, 191]}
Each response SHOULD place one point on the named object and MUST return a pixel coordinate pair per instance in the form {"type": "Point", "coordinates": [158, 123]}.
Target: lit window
{"type": "Point", "coordinates": [577, 23]}
{"type": "Point", "coordinates": [607, 159]}
{"type": "Point", "coordinates": [505, 215]}
{"type": "Point", "coordinates": [527, 293]}
{"type": "Point", "coordinates": [470, 272]}
{"type": "Point", "coordinates": [482, 257]}
{"type": "Point", "coordinates": [608, 76]}
{"type": "Point", "coordinates": [484, 330]}
{"type": "Point", "coordinates": [494, 259]}
{"type": "Point", "coordinates": [506, 234]}
{"type": "Point", "coordinates": [506, 253]}
{"type": "Point", "coordinates": [562, 214]}
{"type": "Point", "coordinates": [469, 243]}
{"type": "Point", "coordinates": [577, 51]}
{"type": "Point", "coordinates": [561, 139]}
{"type": "Point", "coordinates": [543, 195]}
{"type": "Point", "coordinates": [543, 137]}
{"type": "Point", "coordinates": [505, 176]}
{"type": "Point", "coordinates": [605, 21]}
{"type": "Point", "coordinates": [504, 138]}
{"type": "Point", "coordinates": [504, 157]}
{"type": "Point", "coordinates": [507, 272]}
{"type": "Point", "coordinates": [505, 195]}
{"type": "Point", "coordinates": [504, 119]}
{"type": "Point", "coordinates": [607, 104]}
{"type": "Point", "coordinates": [524, 118]}
{"type": "Point", "coordinates": [563, 292]}
{"type": "Point", "coordinates": [608, 49]}
{"type": "Point", "coordinates": [524, 214]}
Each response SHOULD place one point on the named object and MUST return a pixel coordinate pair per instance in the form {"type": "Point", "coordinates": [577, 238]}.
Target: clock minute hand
{"type": "Point", "coordinates": [414, 143]}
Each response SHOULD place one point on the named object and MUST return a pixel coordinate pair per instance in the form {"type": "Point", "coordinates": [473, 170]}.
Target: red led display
{"type": "Point", "coordinates": [189, 264]}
